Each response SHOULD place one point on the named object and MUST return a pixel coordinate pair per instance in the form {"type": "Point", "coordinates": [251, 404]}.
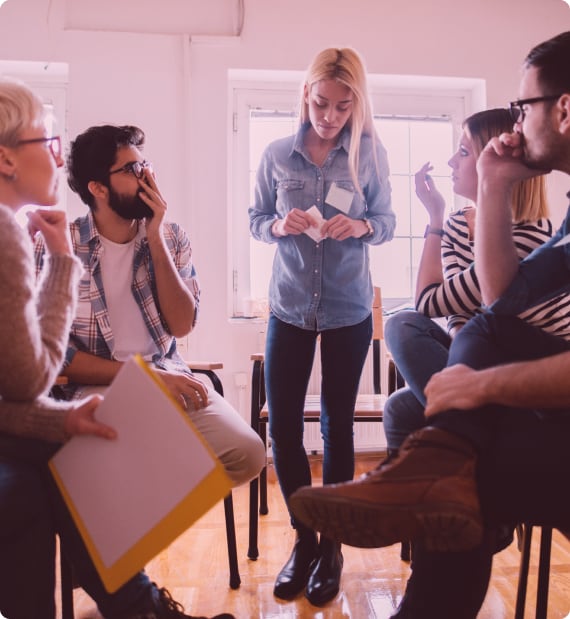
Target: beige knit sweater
{"type": "Point", "coordinates": [35, 320]}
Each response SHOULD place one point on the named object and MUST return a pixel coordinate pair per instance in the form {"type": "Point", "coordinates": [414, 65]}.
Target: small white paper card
{"type": "Point", "coordinates": [340, 198]}
{"type": "Point", "coordinates": [315, 231]}
{"type": "Point", "coordinates": [563, 241]}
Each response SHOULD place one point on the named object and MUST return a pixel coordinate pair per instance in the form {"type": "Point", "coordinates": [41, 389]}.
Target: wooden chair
{"type": "Point", "coordinates": [369, 408]}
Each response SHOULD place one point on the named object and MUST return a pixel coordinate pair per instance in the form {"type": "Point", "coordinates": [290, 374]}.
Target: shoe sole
{"type": "Point", "coordinates": [447, 528]}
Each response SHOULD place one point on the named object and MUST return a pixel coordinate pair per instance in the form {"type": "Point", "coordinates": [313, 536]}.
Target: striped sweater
{"type": "Point", "coordinates": [458, 298]}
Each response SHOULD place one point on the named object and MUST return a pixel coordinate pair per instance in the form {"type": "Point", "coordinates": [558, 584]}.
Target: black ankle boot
{"type": "Point", "coordinates": [292, 578]}
{"type": "Point", "coordinates": [324, 581]}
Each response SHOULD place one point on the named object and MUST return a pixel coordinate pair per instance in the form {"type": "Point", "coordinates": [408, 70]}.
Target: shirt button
{"type": "Point", "coordinates": [315, 294]}
{"type": "Point", "coordinates": [317, 245]}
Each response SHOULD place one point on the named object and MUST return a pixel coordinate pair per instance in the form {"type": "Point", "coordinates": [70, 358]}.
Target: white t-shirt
{"type": "Point", "coordinates": [129, 330]}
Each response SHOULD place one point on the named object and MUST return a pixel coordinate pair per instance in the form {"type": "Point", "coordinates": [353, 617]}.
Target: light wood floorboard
{"type": "Point", "coordinates": [195, 569]}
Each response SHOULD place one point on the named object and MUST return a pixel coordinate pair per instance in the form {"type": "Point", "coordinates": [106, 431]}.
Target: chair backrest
{"type": "Point", "coordinates": [377, 337]}
{"type": "Point", "coordinates": [377, 322]}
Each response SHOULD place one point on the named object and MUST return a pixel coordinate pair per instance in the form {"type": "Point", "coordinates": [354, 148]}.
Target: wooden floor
{"type": "Point", "coordinates": [194, 568]}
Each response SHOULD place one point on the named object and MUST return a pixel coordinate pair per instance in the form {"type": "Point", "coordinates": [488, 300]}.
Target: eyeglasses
{"type": "Point", "coordinates": [54, 144]}
{"type": "Point", "coordinates": [135, 168]}
{"type": "Point", "coordinates": [516, 107]}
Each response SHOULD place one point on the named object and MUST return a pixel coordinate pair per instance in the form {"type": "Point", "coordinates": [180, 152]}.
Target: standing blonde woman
{"type": "Point", "coordinates": [323, 196]}
{"type": "Point", "coordinates": [34, 325]}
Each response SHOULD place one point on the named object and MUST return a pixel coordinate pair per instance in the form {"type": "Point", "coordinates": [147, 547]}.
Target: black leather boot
{"type": "Point", "coordinates": [292, 578]}
{"type": "Point", "coordinates": [324, 581]}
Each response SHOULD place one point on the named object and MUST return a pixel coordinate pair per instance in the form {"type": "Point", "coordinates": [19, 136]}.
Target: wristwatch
{"type": "Point", "coordinates": [369, 228]}
{"type": "Point", "coordinates": [430, 230]}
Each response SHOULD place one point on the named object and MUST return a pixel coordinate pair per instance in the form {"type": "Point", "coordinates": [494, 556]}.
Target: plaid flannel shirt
{"type": "Point", "coordinates": [91, 331]}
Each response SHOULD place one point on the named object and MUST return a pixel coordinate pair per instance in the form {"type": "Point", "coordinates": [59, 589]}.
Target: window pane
{"type": "Point", "coordinates": [391, 132]}
{"type": "Point", "coordinates": [401, 194]}
{"type": "Point", "coordinates": [431, 140]}
{"type": "Point", "coordinates": [390, 265]}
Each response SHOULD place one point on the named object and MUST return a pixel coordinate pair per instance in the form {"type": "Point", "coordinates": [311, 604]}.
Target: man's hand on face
{"type": "Point", "coordinates": [502, 160]}
{"type": "Point", "coordinates": [152, 197]}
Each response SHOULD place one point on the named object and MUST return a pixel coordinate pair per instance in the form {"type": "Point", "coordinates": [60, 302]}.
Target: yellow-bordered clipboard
{"type": "Point", "coordinates": [132, 496]}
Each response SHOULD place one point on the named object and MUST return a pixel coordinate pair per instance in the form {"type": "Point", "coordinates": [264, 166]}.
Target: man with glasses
{"type": "Point", "coordinates": [139, 290]}
{"type": "Point", "coordinates": [495, 450]}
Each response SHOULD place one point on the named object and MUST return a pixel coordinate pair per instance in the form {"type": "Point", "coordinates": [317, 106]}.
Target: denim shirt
{"type": "Point", "coordinates": [542, 275]}
{"type": "Point", "coordinates": [322, 285]}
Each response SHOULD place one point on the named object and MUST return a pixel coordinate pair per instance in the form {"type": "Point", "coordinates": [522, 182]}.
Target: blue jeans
{"type": "Point", "coordinates": [420, 348]}
{"type": "Point", "coordinates": [32, 511]}
{"type": "Point", "coordinates": [289, 358]}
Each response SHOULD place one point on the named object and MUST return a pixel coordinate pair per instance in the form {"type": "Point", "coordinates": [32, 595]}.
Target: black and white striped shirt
{"type": "Point", "coordinates": [458, 298]}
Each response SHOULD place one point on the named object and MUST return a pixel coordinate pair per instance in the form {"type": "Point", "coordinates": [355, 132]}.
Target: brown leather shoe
{"type": "Point", "coordinates": [426, 492]}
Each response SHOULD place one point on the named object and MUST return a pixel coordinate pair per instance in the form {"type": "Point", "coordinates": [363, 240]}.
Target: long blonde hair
{"type": "Point", "coordinates": [529, 201]}
{"type": "Point", "coordinates": [345, 66]}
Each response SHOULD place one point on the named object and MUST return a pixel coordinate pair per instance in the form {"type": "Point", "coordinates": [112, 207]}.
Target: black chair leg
{"type": "Point", "coordinates": [235, 579]}
{"type": "Point", "coordinates": [543, 573]}
{"type": "Point", "coordinates": [523, 570]}
{"type": "Point", "coordinates": [253, 551]}
{"type": "Point", "coordinates": [257, 486]}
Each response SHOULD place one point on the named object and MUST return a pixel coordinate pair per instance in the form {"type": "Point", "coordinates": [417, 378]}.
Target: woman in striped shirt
{"type": "Point", "coordinates": [447, 285]}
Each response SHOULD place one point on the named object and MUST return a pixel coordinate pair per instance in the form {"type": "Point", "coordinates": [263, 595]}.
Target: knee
{"type": "Point", "coordinates": [245, 461]}
{"type": "Point", "coordinates": [402, 325]}
{"type": "Point", "coordinates": [403, 413]}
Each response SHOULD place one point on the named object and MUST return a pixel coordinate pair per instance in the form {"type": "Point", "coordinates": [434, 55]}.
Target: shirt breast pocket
{"type": "Point", "coordinates": [289, 195]}
{"type": "Point", "coordinates": [357, 208]}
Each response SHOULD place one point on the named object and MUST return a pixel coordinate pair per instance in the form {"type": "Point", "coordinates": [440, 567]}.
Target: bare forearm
{"type": "Point", "coordinates": [430, 270]}
{"type": "Point", "coordinates": [87, 369]}
{"type": "Point", "coordinates": [539, 384]}
{"type": "Point", "coordinates": [176, 302]}
{"type": "Point", "coordinates": [496, 260]}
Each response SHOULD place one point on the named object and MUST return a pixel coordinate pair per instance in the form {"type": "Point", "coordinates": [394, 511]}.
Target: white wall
{"type": "Point", "coordinates": [175, 87]}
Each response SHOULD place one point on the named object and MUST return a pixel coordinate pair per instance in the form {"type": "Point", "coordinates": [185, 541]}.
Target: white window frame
{"type": "Point", "coordinates": [398, 95]}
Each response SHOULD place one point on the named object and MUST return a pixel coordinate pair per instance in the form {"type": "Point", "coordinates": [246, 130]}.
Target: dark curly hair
{"type": "Point", "coordinates": [93, 153]}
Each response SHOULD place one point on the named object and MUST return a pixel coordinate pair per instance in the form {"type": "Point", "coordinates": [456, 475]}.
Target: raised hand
{"type": "Point", "coordinates": [53, 226]}
{"type": "Point", "coordinates": [429, 195]}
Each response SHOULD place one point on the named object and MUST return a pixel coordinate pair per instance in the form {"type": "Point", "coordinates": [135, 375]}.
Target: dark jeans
{"type": "Point", "coordinates": [523, 468]}
{"type": "Point", "coordinates": [420, 348]}
{"type": "Point", "coordinates": [32, 511]}
{"type": "Point", "coordinates": [522, 453]}
{"type": "Point", "coordinates": [289, 358]}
